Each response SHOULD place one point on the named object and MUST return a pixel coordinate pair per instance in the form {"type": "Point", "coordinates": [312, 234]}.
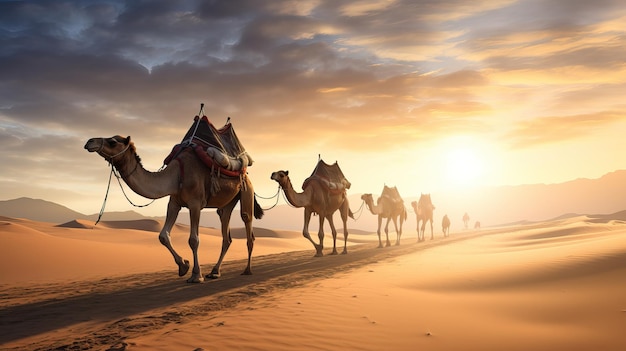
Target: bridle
{"type": "Point", "coordinates": [107, 157]}
{"type": "Point", "coordinates": [118, 175]}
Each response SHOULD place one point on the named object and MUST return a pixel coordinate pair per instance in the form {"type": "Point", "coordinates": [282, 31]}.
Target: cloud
{"type": "Point", "coordinates": [554, 129]}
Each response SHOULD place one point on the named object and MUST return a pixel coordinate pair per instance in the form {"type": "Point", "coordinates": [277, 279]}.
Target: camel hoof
{"type": "Point", "coordinates": [334, 252]}
{"type": "Point", "coordinates": [183, 268]}
{"type": "Point", "coordinates": [345, 252]}
{"type": "Point", "coordinates": [247, 272]}
{"type": "Point", "coordinates": [318, 254]}
{"type": "Point", "coordinates": [195, 278]}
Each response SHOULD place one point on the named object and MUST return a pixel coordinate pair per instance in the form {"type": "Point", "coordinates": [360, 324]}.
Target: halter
{"type": "Point", "coordinates": [118, 175]}
{"type": "Point", "coordinates": [108, 157]}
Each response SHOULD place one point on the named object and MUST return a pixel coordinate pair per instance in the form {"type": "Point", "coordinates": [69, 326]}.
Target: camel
{"type": "Point", "coordinates": [318, 198]}
{"type": "Point", "coordinates": [188, 184]}
{"type": "Point", "coordinates": [389, 205]}
{"type": "Point", "coordinates": [424, 212]}
{"type": "Point", "coordinates": [445, 226]}
{"type": "Point", "coordinates": [477, 225]}
{"type": "Point", "coordinates": [466, 219]}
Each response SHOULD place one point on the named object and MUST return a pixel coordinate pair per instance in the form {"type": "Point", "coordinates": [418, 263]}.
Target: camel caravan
{"type": "Point", "coordinates": [208, 169]}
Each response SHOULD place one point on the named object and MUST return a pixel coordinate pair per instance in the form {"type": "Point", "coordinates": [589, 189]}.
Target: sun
{"type": "Point", "coordinates": [464, 165]}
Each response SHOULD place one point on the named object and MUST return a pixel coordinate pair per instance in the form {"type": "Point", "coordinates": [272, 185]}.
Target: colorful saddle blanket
{"type": "Point", "coordinates": [330, 176]}
{"type": "Point", "coordinates": [217, 148]}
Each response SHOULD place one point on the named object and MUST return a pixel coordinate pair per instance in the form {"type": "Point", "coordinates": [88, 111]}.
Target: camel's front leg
{"type": "Point", "coordinates": [380, 224]}
{"type": "Point", "coordinates": [334, 233]}
{"type": "Point", "coordinates": [305, 230]}
{"type": "Point", "coordinates": [164, 236]}
{"type": "Point", "coordinates": [387, 232]}
{"type": "Point", "coordinates": [194, 242]}
{"type": "Point", "coordinates": [225, 214]}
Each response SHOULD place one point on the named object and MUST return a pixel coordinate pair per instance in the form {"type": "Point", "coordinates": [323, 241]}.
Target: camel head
{"type": "Point", "coordinates": [109, 148]}
{"type": "Point", "coordinates": [282, 177]}
{"type": "Point", "coordinates": [367, 198]}
{"type": "Point", "coordinates": [414, 204]}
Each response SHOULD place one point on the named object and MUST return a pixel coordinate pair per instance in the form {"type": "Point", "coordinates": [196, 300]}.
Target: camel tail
{"type": "Point", "coordinates": [258, 210]}
{"type": "Point", "coordinates": [405, 214]}
{"type": "Point", "coordinates": [350, 213]}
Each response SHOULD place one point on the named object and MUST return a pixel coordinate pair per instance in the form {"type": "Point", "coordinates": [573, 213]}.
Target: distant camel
{"type": "Point", "coordinates": [477, 225]}
{"type": "Point", "coordinates": [466, 219]}
{"type": "Point", "coordinates": [391, 206]}
{"type": "Point", "coordinates": [445, 225]}
{"type": "Point", "coordinates": [318, 198]}
{"type": "Point", "coordinates": [424, 212]}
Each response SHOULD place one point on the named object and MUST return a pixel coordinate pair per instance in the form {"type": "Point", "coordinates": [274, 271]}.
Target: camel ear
{"type": "Point", "coordinates": [286, 172]}
{"type": "Point", "coordinates": [127, 140]}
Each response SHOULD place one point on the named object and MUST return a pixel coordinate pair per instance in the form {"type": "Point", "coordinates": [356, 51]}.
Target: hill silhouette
{"type": "Point", "coordinates": [490, 205]}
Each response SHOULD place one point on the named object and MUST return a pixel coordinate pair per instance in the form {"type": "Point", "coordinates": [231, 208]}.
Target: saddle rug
{"type": "Point", "coordinates": [330, 176]}
{"type": "Point", "coordinates": [215, 147]}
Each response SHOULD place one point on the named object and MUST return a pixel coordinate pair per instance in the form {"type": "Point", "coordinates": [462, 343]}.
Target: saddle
{"type": "Point", "coordinates": [330, 176]}
{"type": "Point", "coordinates": [217, 148]}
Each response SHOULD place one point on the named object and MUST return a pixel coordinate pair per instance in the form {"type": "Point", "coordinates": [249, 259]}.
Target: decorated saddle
{"type": "Point", "coordinates": [392, 194]}
{"type": "Point", "coordinates": [330, 176]}
{"type": "Point", "coordinates": [217, 148]}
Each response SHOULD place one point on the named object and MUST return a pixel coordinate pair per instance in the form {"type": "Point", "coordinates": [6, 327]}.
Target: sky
{"type": "Point", "coordinates": [425, 95]}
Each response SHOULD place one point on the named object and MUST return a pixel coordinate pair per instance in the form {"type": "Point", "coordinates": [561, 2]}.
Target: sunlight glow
{"type": "Point", "coordinates": [463, 161]}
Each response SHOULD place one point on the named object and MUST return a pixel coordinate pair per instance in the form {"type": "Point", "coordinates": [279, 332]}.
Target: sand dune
{"type": "Point", "coordinates": [542, 286]}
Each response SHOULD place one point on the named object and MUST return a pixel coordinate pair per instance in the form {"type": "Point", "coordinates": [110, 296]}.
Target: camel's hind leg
{"type": "Point", "coordinates": [329, 218]}
{"type": "Point", "coordinates": [164, 236]}
{"type": "Point", "coordinates": [398, 232]}
{"type": "Point", "coordinates": [225, 214]}
{"type": "Point", "coordinates": [344, 212]}
{"type": "Point", "coordinates": [247, 214]}
{"type": "Point", "coordinates": [320, 235]}
{"type": "Point", "coordinates": [432, 235]}
{"type": "Point", "coordinates": [380, 225]}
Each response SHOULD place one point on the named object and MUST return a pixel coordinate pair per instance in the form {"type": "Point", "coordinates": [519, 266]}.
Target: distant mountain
{"type": "Point", "coordinates": [46, 211]}
{"type": "Point", "coordinates": [38, 210]}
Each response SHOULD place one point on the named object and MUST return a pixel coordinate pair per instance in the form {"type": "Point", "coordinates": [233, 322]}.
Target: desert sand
{"type": "Point", "coordinates": [555, 285]}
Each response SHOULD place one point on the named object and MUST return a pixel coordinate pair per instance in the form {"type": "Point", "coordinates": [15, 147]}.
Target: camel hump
{"type": "Point", "coordinates": [330, 176]}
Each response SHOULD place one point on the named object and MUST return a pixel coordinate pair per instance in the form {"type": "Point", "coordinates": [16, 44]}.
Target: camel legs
{"type": "Point", "coordinates": [305, 231]}
{"type": "Point", "coordinates": [333, 231]}
{"type": "Point", "coordinates": [380, 222]}
{"type": "Point", "coordinates": [320, 235]}
{"type": "Point", "coordinates": [224, 213]}
{"type": "Point", "coordinates": [247, 214]}
{"type": "Point", "coordinates": [344, 212]}
{"type": "Point", "coordinates": [398, 232]}
{"type": "Point", "coordinates": [387, 231]}
{"type": "Point", "coordinates": [432, 236]}
{"type": "Point", "coordinates": [164, 236]}
{"type": "Point", "coordinates": [194, 242]}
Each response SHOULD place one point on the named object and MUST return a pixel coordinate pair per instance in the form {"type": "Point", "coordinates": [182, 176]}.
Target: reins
{"type": "Point", "coordinates": [276, 196]}
{"type": "Point", "coordinates": [118, 175]}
